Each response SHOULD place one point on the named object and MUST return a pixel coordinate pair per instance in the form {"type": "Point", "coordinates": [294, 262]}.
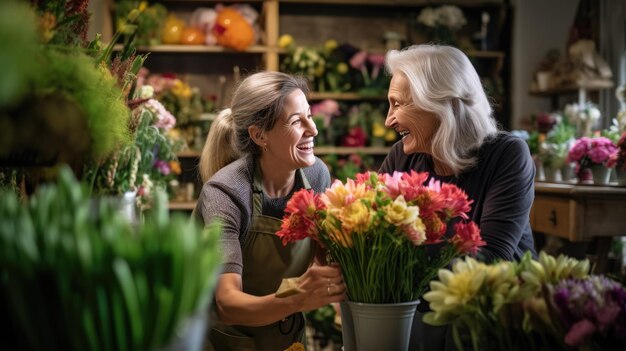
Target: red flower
{"type": "Point", "coordinates": [300, 217]}
{"type": "Point", "coordinates": [467, 238]}
{"type": "Point", "coordinates": [455, 201]}
{"type": "Point", "coordinates": [435, 229]}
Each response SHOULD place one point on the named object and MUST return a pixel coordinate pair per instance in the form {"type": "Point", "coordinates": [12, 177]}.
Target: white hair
{"type": "Point", "coordinates": [444, 82]}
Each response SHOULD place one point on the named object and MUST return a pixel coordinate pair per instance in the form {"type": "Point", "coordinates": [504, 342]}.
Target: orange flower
{"type": "Point", "coordinates": [175, 167]}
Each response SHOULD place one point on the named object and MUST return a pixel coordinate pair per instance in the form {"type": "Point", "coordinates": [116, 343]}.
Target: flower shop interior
{"type": "Point", "coordinates": [105, 106]}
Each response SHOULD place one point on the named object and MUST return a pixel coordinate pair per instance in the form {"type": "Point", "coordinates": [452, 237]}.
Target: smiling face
{"type": "Point", "coordinates": [416, 127]}
{"type": "Point", "coordinates": [290, 141]}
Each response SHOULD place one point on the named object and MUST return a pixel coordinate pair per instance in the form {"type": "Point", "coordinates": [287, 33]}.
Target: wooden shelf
{"type": "Point", "coordinates": [412, 3]}
{"type": "Point", "coordinates": [182, 205]}
{"type": "Point", "coordinates": [345, 96]}
{"type": "Point", "coordinates": [208, 49]}
{"type": "Point", "coordinates": [588, 86]}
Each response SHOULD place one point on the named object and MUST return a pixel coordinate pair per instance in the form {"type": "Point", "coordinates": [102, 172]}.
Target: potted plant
{"type": "Point", "coordinates": [618, 160]}
{"type": "Point", "coordinates": [380, 228]}
{"type": "Point", "coordinates": [591, 155]}
{"type": "Point", "coordinates": [545, 304]}
{"type": "Point", "coordinates": [77, 276]}
{"type": "Point", "coordinates": [553, 151]}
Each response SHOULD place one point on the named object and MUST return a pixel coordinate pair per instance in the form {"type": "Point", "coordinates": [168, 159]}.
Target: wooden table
{"type": "Point", "coordinates": [581, 213]}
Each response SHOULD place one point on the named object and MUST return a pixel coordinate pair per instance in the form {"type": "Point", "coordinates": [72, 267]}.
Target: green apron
{"type": "Point", "coordinates": [266, 261]}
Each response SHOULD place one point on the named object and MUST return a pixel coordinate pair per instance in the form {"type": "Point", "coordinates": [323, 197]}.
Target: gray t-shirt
{"type": "Point", "coordinates": [227, 196]}
{"type": "Point", "coordinates": [501, 185]}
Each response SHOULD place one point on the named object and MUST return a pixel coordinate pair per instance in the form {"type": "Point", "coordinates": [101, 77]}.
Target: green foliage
{"type": "Point", "coordinates": [323, 322]}
{"type": "Point", "coordinates": [96, 92]}
{"type": "Point", "coordinates": [50, 90]}
{"type": "Point", "coordinates": [75, 275]}
{"type": "Point", "coordinates": [149, 22]}
{"type": "Point", "coordinates": [18, 45]}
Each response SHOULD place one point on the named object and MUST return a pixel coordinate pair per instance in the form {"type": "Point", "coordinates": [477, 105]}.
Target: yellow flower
{"type": "Point", "coordinates": [285, 41]}
{"type": "Point", "coordinates": [398, 213]}
{"type": "Point", "coordinates": [379, 130]}
{"type": "Point", "coordinates": [455, 291]}
{"type": "Point", "coordinates": [390, 135]}
{"type": "Point", "coordinates": [330, 45]}
{"type": "Point", "coordinates": [341, 194]}
{"type": "Point", "coordinates": [342, 68]}
{"type": "Point", "coordinates": [355, 217]}
{"type": "Point", "coordinates": [335, 234]}
{"type": "Point", "coordinates": [181, 89]}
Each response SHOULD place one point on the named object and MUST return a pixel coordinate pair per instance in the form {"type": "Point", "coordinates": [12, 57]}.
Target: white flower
{"type": "Point", "coordinates": [428, 17]}
{"type": "Point", "coordinates": [146, 92]}
{"type": "Point", "coordinates": [448, 16]}
{"type": "Point", "coordinates": [451, 17]}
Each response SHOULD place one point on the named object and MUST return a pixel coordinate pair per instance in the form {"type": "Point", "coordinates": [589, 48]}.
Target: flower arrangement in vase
{"type": "Point", "coordinates": [442, 22]}
{"type": "Point", "coordinates": [591, 154]}
{"type": "Point", "coordinates": [545, 304]}
{"type": "Point", "coordinates": [553, 150]}
{"type": "Point", "coordinates": [386, 231]}
{"type": "Point", "coordinates": [618, 160]}
{"type": "Point", "coordinates": [583, 117]}
{"type": "Point", "coordinates": [379, 228]}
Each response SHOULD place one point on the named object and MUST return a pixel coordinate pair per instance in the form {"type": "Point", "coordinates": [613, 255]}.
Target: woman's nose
{"type": "Point", "coordinates": [311, 128]}
{"type": "Point", "coordinates": [390, 121]}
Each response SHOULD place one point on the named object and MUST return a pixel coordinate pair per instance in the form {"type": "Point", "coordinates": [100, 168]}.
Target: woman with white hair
{"type": "Point", "coordinates": [438, 106]}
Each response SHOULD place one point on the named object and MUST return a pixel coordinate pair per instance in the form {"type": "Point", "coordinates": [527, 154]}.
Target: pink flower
{"type": "Point", "coordinates": [327, 108]}
{"type": "Point", "coordinates": [162, 166]}
{"type": "Point", "coordinates": [595, 150]}
{"type": "Point", "coordinates": [467, 238]}
{"type": "Point", "coordinates": [377, 61]}
{"type": "Point", "coordinates": [455, 201]}
{"type": "Point", "coordinates": [579, 333]}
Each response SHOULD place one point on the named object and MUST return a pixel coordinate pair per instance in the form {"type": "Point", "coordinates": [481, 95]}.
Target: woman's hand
{"type": "Point", "coordinates": [320, 285]}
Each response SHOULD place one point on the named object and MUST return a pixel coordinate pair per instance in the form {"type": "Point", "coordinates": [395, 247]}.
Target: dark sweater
{"type": "Point", "coordinates": [501, 185]}
{"type": "Point", "coordinates": [228, 197]}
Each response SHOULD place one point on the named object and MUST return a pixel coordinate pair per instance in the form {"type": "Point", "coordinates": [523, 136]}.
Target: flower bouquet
{"type": "Point", "coordinates": [589, 153]}
{"type": "Point", "coordinates": [549, 304]}
{"type": "Point", "coordinates": [387, 233]}
{"type": "Point", "coordinates": [380, 229]}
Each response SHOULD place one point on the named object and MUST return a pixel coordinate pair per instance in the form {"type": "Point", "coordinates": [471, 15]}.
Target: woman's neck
{"type": "Point", "coordinates": [277, 182]}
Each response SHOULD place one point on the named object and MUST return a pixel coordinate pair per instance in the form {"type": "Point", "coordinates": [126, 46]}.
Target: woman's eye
{"type": "Point", "coordinates": [396, 104]}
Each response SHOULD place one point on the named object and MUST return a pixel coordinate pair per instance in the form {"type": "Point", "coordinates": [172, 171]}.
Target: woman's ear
{"type": "Point", "coordinates": [257, 135]}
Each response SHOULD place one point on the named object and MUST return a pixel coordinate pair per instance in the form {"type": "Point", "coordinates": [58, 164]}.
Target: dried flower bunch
{"type": "Point", "coordinates": [380, 228]}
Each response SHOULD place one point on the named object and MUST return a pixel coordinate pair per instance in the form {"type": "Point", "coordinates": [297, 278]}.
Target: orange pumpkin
{"type": "Point", "coordinates": [232, 30]}
{"type": "Point", "coordinates": [192, 36]}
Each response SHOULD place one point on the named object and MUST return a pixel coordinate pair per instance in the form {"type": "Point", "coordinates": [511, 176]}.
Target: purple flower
{"type": "Point", "coordinates": [162, 166]}
{"type": "Point", "coordinates": [594, 307]}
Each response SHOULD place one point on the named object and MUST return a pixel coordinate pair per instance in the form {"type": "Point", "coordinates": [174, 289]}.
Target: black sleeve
{"type": "Point", "coordinates": [505, 217]}
{"type": "Point", "coordinates": [389, 163]}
